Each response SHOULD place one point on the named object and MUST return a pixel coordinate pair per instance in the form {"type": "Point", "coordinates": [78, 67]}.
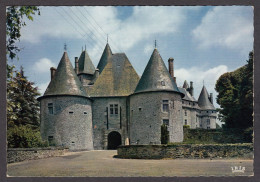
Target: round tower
{"type": "Point", "coordinates": [66, 113]}
{"type": "Point", "coordinates": [156, 101]}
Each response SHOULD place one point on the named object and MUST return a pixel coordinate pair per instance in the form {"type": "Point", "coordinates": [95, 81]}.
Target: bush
{"type": "Point", "coordinates": [24, 137]}
{"type": "Point", "coordinates": [164, 134]}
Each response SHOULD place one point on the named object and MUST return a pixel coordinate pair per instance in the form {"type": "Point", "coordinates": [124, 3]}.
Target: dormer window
{"type": "Point", "coordinates": [162, 83]}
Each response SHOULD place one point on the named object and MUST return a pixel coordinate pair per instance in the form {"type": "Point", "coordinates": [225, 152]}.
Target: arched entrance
{"type": "Point", "coordinates": [114, 140]}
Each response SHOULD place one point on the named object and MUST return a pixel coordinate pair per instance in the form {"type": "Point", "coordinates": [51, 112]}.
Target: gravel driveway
{"type": "Point", "coordinates": [102, 164]}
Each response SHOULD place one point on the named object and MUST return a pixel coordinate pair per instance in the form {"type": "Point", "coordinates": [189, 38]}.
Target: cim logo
{"type": "Point", "coordinates": [238, 169]}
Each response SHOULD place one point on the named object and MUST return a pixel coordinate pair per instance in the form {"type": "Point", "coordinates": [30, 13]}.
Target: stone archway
{"type": "Point", "coordinates": [114, 140]}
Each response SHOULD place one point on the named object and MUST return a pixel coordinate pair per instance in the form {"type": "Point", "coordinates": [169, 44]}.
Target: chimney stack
{"type": "Point", "coordinates": [171, 71]}
{"type": "Point", "coordinates": [211, 98]}
{"type": "Point", "coordinates": [53, 70]}
{"type": "Point", "coordinates": [76, 65]}
{"type": "Point", "coordinates": [191, 88]}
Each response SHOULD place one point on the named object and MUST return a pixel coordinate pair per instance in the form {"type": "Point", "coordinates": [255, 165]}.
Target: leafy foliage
{"type": "Point", "coordinates": [235, 96]}
{"type": "Point", "coordinates": [22, 111]}
{"type": "Point", "coordinates": [14, 23]}
{"type": "Point", "coordinates": [164, 134]}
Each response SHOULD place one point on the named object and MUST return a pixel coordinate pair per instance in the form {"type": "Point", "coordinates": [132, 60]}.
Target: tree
{"type": "Point", "coordinates": [23, 112]}
{"type": "Point", "coordinates": [22, 106]}
{"type": "Point", "coordinates": [14, 23]}
{"type": "Point", "coordinates": [235, 96]}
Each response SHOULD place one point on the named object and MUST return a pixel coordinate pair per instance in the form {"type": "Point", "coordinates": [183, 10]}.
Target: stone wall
{"type": "Point", "coordinates": [189, 151]}
{"type": "Point", "coordinates": [22, 154]}
{"type": "Point", "coordinates": [104, 123]}
{"type": "Point", "coordinates": [70, 124]}
{"type": "Point", "coordinates": [146, 117]}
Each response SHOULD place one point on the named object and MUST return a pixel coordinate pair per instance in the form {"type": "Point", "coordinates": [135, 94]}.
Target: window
{"type": "Point", "coordinates": [165, 106]}
{"type": "Point", "coordinates": [51, 140]}
{"type": "Point", "coordinates": [50, 108]}
{"type": "Point", "coordinates": [208, 121]}
{"type": "Point", "coordinates": [166, 122]}
{"type": "Point", "coordinates": [185, 122]}
{"type": "Point", "coordinates": [185, 113]}
{"type": "Point", "coordinates": [116, 108]}
{"type": "Point", "coordinates": [140, 109]}
{"type": "Point", "coordinates": [113, 109]}
{"type": "Point", "coordinates": [193, 103]}
{"type": "Point", "coordinates": [71, 112]}
{"type": "Point", "coordinates": [85, 113]}
{"type": "Point", "coordinates": [163, 83]}
{"type": "Point", "coordinates": [208, 127]}
{"type": "Point", "coordinates": [182, 102]}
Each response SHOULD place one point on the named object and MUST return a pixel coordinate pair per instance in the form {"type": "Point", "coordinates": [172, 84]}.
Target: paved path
{"type": "Point", "coordinates": [102, 163]}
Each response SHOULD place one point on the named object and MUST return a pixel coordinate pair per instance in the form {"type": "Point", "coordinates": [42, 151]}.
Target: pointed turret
{"type": "Point", "coordinates": [85, 64]}
{"type": "Point", "coordinates": [107, 53]}
{"type": "Point", "coordinates": [204, 100]}
{"type": "Point", "coordinates": [65, 80]}
{"type": "Point", "coordinates": [156, 76]}
{"type": "Point", "coordinates": [185, 85]}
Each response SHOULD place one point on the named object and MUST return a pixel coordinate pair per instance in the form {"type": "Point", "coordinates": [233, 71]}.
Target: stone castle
{"type": "Point", "coordinates": [86, 108]}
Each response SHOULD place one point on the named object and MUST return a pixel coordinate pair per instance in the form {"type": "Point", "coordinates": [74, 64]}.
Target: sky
{"type": "Point", "coordinates": [205, 41]}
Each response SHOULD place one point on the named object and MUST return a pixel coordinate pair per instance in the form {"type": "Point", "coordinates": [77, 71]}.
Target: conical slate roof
{"type": "Point", "coordinates": [185, 85]}
{"type": "Point", "coordinates": [203, 101]}
{"type": "Point", "coordinates": [156, 76]}
{"type": "Point", "coordinates": [85, 64]}
{"type": "Point", "coordinates": [118, 78]}
{"type": "Point", "coordinates": [65, 81]}
{"type": "Point", "coordinates": [107, 54]}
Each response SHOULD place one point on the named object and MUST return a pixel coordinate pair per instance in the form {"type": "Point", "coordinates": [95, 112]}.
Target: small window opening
{"type": "Point", "coordinates": [163, 83]}
{"type": "Point", "coordinates": [111, 109]}
{"type": "Point", "coordinates": [185, 122]}
{"type": "Point", "coordinates": [165, 106]}
{"type": "Point", "coordinates": [85, 113]}
{"type": "Point", "coordinates": [71, 112]}
{"type": "Point", "coordinates": [116, 108]}
{"type": "Point", "coordinates": [166, 122]}
{"type": "Point", "coordinates": [140, 109]}
{"type": "Point", "coordinates": [50, 108]}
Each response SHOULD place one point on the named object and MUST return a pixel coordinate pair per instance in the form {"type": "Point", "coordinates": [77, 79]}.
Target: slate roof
{"type": "Point", "coordinates": [85, 64]}
{"type": "Point", "coordinates": [65, 81]}
{"type": "Point", "coordinates": [107, 54]}
{"type": "Point", "coordinates": [203, 101]}
{"type": "Point", "coordinates": [187, 95]}
{"type": "Point", "coordinates": [118, 78]}
{"type": "Point", "coordinates": [156, 76]}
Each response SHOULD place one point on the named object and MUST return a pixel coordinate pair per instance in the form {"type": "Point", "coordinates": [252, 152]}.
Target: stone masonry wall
{"type": "Point", "coordinates": [190, 151]}
{"type": "Point", "coordinates": [70, 125]}
{"type": "Point", "coordinates": [100, 117]}
{"type": "Point", "coordinates": [146, 117]}
{"type": "Point", "coordinates": [22, 154]}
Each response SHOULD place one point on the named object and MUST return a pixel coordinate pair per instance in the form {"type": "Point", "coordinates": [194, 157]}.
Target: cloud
{"type": "Point", "coordinates": [75, 22]}
{"type": "Point", "coordinates": [42, 87]}
{"type": "Point", "coordinates": [198, 75]}
{"type": "Point", "coordinates": [228, 27]}
{"type": "Point", "coordinates": [43, 65]}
